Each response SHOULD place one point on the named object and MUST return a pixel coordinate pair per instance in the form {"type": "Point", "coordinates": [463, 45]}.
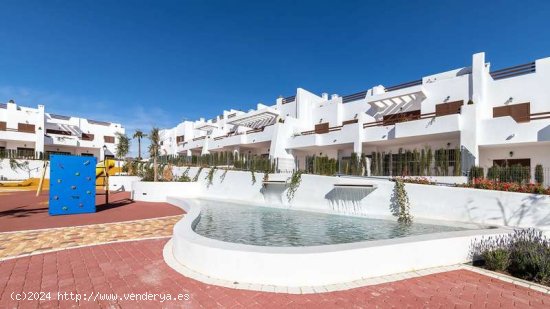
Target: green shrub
{"type": "Point", "coordinates": [183, 178]}
{"type": "Point", "coordinates": [293, 185]}
{"type": "Point", "coordinates": [400, 205]}
{"type": "Point", "coordinates": [530, 257]}
{"type": "Point", "coordinates": [524, 254]}
{"type": "Point", "coordinates": [496, 259]}
{"type": "Point", "coordinates": [539, 174]}
{"type": "Point", "coordinates": [476, 172]}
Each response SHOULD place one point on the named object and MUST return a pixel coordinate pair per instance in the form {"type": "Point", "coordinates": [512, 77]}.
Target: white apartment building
{"type": "Point", "coordinates": [33, 133]}
{"type": "Point", "coordinates": [491, 116]}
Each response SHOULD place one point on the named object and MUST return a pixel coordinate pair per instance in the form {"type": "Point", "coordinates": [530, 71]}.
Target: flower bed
{"type": "Point", "coordinates": [482, 183]}
{"type": "Point", "coordinates": [486, 184]}
{"type": "Point", "coordinates": [524, 254]}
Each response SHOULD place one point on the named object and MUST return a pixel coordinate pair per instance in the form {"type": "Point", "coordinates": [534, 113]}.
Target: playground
{"type": "Point", "coordinates": [22, 210]}
{"type": "Point", "coordinates": [78, 195]}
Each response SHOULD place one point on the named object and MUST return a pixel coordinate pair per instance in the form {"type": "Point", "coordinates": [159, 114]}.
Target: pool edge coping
{"type": "Point", "coordinates": [173, 263]}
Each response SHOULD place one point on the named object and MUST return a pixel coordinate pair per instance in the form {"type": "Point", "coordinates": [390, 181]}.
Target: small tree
{"type": "Point", "coordinates": [139, 135]}
{"type": "Point", "coordinates": [154, 150]}
{"type": "Point", "coordinates": [539, 174]}
{"type": "Point", "coordinates": [123, 146]}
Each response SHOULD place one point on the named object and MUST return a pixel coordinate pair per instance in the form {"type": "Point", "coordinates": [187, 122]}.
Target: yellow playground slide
{"type": "Point", "coordinates": [100, 169]}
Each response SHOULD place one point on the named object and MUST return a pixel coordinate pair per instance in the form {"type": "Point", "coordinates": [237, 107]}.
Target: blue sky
{"type": "Point", "coordinates": [145, 63]}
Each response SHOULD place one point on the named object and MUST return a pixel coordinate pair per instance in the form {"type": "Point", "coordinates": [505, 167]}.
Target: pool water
{"type": "Point", "coordinates": [267, 226]}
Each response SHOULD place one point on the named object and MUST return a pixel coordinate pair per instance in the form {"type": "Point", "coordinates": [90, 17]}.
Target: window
{"type": "Point", "coordinates": [512, 162]}
{"type": "Point", "coordinates": [25, 152]}
{"type": "Point", "coordinates": [109, 139]}
{"type": "Point", "coordinates": [27, 128]}
{"type": "Point", "coordinates": [180, 139]}
{"type": "Point", "coordinates": [87, 137]}
{"type": "Point", "coordinates": [519, 112]}
{"type": "Point", "coordinates": [63, 153]}
{"type": "Point", "coordinates": [60, 132]}
{"type": "Point", "coordinates": [449, 108]}
{"type": "Point", "coordinates": [2, 126]}
{"type": "Point", "coordinates": [87, 154]}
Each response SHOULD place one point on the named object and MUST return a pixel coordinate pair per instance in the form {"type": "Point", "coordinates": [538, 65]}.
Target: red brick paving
{"type": "Point", "coordinates": [138, 267]}
{"type": "Point", "coordinates": [24, 211]}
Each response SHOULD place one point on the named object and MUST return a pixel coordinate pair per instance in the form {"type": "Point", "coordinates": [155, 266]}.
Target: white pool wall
{"type": "Point", "coordinates": [325, 265]}
{"type": "Point", "coordinates": [315, 265]}
{"type": "Point", "coordinates": [483, 207]}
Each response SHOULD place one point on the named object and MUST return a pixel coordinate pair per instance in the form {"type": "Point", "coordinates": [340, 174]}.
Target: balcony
{"type": "Point", "coordinates": [425, 124]}
{"type": "Point", "coordinates": [197, 142]}
{"type": "Point", "coordinates": [259, 135]}
{"type": "Point", "coordinates": [17, 135]}
{"type": "Point", "coordinates": [61, 140]}
{"type": "Point", "coordinates": [428, 126]}
{"type": "Point", "coordinates": [227, 140]}
{"type": "Point", "coordinates": [325, 136]}
{"type": "Point", "coordinates": [506, 130]}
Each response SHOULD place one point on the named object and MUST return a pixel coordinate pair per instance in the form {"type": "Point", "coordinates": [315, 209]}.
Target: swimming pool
{"type": "Point", "coordinates": [281, 247]}
{"type": "Point", "coordinates": [267, 226]}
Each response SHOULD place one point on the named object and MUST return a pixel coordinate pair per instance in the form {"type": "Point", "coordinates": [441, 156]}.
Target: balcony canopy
{"type": "Point", "coordinates": [206, 126]}
{"type": "Point", "coordinates": [74, 130]}
{"type": "Point", "coordinates": [256, 119]}
{"type": "Point", "coordinates": [399, 97]}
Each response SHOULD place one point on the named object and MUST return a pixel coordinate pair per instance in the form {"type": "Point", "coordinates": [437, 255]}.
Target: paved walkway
{"type": "Point", "coordinates": [31, 242]}
{"type": "Point", "coordinates": [138, 267]}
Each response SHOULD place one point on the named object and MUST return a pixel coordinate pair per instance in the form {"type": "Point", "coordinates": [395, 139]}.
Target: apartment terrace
{"type": "Point", "coordinates": [23, 132]}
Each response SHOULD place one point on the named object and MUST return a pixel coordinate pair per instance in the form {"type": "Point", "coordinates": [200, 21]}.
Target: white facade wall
{"type": "Point", "coordinates": [474, 129]}
{"type": "Point", "coordinates": [42, 139]}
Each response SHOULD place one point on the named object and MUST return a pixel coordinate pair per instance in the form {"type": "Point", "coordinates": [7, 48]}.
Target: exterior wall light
{"type": "Point", "coordinates": [511, 154]}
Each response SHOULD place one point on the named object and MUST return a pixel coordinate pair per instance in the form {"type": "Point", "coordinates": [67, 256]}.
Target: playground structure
{"type": "Point", "coordinates": [72, 183]}
{"type": "Point", "coordinates": [35, 183]}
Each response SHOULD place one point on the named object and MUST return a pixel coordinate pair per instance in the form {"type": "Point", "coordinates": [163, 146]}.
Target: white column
{"type": "Point", "coordinates": [40, 127]}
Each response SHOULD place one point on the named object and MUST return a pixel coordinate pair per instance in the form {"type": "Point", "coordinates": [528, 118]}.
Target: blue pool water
{"type": "Point", "coordinates": [266, 226]}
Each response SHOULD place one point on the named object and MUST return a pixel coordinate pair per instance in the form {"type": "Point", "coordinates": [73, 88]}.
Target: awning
{"type": "Point", "coordinates": [394, 98]}
{"type": "Point", "coordinates": [206, 126]}
{"type": "Point", "coordinates": [256, 119]}
{"type": "Point", "coordinates": [75, 130]}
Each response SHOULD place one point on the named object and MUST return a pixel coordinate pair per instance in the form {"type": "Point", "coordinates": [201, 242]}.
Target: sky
{"type": "Point", "coordinates": [157, 63]}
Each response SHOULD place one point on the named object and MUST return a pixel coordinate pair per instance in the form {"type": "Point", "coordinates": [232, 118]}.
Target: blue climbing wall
{"type": "Point", "coordinates": [72, 185]}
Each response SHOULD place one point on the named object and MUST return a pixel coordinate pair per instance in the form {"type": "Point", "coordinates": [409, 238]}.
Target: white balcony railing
{"type": "Point", "coordinates": [428, 126]}
{"type": "Point", "coordinates": [61, 140]}
{"type": "Point", "coordinates": [15, 135]}
{"type": "Point", "coordinates": [505, 130]}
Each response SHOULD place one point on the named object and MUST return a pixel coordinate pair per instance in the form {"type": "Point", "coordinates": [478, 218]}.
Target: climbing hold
{"type": "Point", "coordinates": [77, 174]}
{"type": "Point", "coordinates": [73, 187]}
{"type": "Point", "coordinates": [56, 197]}
{"type": "Point", "coordinates": [65, 208]}
{"type": "Point", "coordinates": [81, 205]}
{"type": "Point", "coordinates": [59, 181]}
{"type": "Point", "coordinates": [87, 162]}
{"type": "Point", "coordinates": [88, 178]}
{"type": "Point", "coordinates": [88, 192]}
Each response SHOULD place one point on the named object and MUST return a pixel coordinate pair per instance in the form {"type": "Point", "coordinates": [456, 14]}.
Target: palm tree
{"type": "Point", "coordinates": [123, 145]}
{"type": "Point", "coordinates": [139, 135]}
{"type": "Point", "coordinates": [154, 149]}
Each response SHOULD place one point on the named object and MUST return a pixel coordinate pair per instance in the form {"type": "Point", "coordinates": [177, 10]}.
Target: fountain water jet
{"type": "Point", "coordinates": [345, 198]}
